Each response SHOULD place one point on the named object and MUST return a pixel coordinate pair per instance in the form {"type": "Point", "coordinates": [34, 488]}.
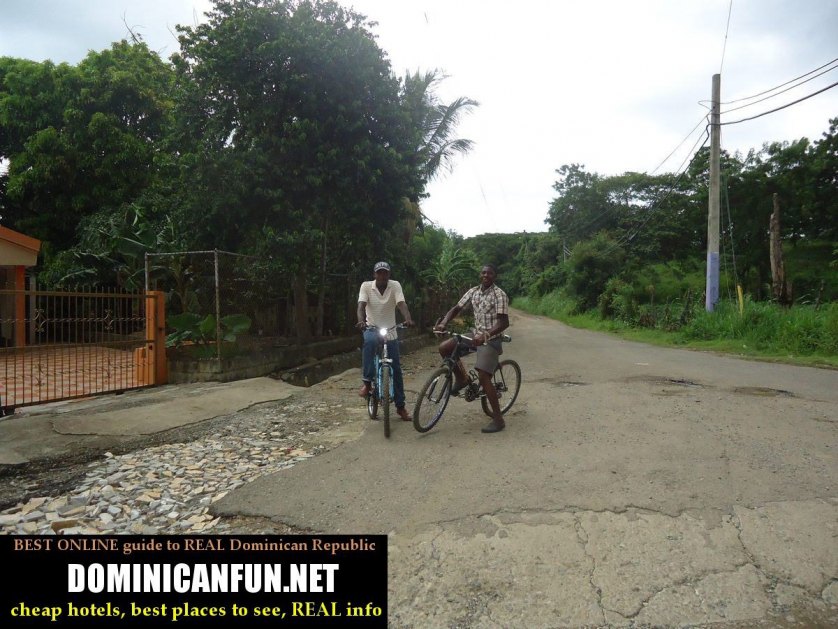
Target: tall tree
{"type": "Point", "coordinates": [582, 207]}
{"type": "Point", "coordinates": [80, 139]}
{"type": "Point", "coordinates": [298, 101]}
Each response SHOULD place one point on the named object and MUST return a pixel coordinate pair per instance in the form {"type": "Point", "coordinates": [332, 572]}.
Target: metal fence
{"type": "Point", "coordinates": [221, 285]}
{"type": "Point", "coordinates": [61, 345]}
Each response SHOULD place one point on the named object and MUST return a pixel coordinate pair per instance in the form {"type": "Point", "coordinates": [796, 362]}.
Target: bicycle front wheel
{"type": "Point", "coordinates": [507, 381]}
{"type": "Point", "coordinates": [385, 399]}
{"type": "Point", "coordinates": [372, 404]}
{"type": "Point", "coordinates": [433, 398]}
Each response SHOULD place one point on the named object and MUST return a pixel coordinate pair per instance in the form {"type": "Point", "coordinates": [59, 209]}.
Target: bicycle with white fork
{"type": "Point", "coordinates": [381, 388]}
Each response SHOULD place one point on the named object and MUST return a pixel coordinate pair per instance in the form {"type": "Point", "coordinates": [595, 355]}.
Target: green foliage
{"type": "Point", "coordinates": [591, 264]}
{"type": "Point", "coordinates": [80, 139]}
{"type": "Point", "coordinates": [313, 155]}
{"type": "Point", "coordinates": [501, 250]}
{"type": "Point", "coordinates": [189, 327]}
{"type": "Point", "coordinates": [112, 250]}
{"type": "Point", "coordinates": [436, 123]}
{"type": "Point", "coordinates": [450, 274]}
{"type": "Point", "coordinates": [765, 329]}
{"type": "Point", "coordinates": [550, 279]}
{"type": "Point", "coordinates": [663, 218]}
{"type": "Point", "coordinates": [770, 328]}
{"type": "Point", "coordinates": [280, 130]}
{"type": "Point", "coordinates": [618, 301]}
{"type": "Point", "coordinates": [555, 305]}
{"type": "Point", "coordinates": [812, 277]}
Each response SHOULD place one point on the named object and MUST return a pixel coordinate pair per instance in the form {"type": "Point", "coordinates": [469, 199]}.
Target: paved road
{"type": "Point", "coordinates": [633, 486]}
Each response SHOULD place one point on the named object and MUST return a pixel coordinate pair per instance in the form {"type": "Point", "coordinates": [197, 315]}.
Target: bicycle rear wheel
{"type": "Point", "coordinates": [507, 380]}
{"type": "Point", "coordinates": [385, 398]}
{"type": "Point", "coordinates": [432, 401]}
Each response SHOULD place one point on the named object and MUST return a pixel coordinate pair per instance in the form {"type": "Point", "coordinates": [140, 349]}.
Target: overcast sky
{"type": "Point", "coordinates": [615, 85]}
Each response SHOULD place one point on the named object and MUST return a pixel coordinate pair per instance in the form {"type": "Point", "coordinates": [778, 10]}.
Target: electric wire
{"type": "Point", "coordinates": [703, 119]}
{"type": "Point", "coordinates": [727, 241]}
{"type": "Point", "coordinates": [727, 30]}
{"type": "Point", "coordinates": [651, 211]}
{"type": "Point", "coordinates": [586, 226]}
{"type": "Point", "coordinates": [739, 100]}
{"type": "Point", "coordinates": [812, 78]}
{"type": "Point", "coordinates": [730, 227]}
{"type": "Point", "coordinates": [771, 111]}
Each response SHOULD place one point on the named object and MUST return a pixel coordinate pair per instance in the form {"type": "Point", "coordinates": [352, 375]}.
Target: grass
{"type": "Point", "coordinates": [800, 335]}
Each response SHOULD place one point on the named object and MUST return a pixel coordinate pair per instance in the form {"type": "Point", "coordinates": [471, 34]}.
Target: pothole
{"type": "Point", "coordinates": [763, 392]}
{"type": "Point", "coordinates": [558, 383]}
{"type": "Point", "coordinates": [661, 381]}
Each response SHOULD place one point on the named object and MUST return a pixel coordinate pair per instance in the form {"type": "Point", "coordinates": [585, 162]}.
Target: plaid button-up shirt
{"type": "Point", "coordinates": [487, 305]}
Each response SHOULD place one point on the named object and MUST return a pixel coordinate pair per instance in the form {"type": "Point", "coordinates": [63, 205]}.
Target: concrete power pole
{"type": "Point", "coordinates": [712, 292]}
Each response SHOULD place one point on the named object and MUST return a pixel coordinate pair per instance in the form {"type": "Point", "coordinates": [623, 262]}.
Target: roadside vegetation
{"type": "Point", "coordinates": [234, 144]}
{"type": "Point", "coordinates": [804, 335]}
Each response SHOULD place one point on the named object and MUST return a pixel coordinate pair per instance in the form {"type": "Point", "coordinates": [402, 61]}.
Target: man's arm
{"type": "Point", "coordinates": [362, 315]}
{"type": "Point", "coordinates": [408, 320]}
{"type": "Point", "coordinates": [500, 326]}
{"type": "Point", "coordinates": [448, 316]}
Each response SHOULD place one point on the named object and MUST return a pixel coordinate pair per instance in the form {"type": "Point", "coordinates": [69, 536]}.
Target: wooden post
{"type": "Point", "coordinates": [20, 306]}
{"type": "Point", "coordinates": [217, 308]}
{"type": "Point", "coordinates": [779, 285]}
{"type": "Point", "coordinates": [155, 307]}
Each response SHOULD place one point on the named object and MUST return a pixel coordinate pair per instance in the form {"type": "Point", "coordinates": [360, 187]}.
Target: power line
{"type": "Point", "coordinates": [695, 151]}
{"type": "Point", "coordinates": [765, 113]}
{"type": "Point", "coordinates": [812, 78]}
{"type": "Point", "coordinates": [584, 227]}
{"type": "Point", "coordinates": [730, 227]}
{"type": "Point", "coordinates": [727, 29]}
{"type": "Point", "coordinates": [738, 100]}
{"type": "Point", "coordinates": [703, 118]}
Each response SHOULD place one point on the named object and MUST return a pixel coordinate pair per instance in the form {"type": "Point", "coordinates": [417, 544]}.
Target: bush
{"type": "Point", "coordinates": [591, 264]}
{"type": "Point", "coordinates": [765, 326]}
{"type": "Point", "coordinates": [617, 301]}
{"type": "Point", "coordinates": [550, 279]}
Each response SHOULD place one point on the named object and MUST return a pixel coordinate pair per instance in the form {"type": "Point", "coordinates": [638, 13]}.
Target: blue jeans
{"type": "Point", "coordinates": [368, 371]}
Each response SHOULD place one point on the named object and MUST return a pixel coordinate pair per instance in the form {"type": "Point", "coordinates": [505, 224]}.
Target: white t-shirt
{"type": "Point", "coordinates": [381, 308]}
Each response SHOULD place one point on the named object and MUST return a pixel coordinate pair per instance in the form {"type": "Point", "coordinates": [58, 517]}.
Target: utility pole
{"type": "Point", "coordinates": [712, 291]}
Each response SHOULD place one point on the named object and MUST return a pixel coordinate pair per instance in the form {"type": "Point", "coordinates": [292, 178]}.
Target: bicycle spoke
{"type": "Point", "coordinates": [433, 398]}
{"type": "Point", "coordinates": [507, 381]}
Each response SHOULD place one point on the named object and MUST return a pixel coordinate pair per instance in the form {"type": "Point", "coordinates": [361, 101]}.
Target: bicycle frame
{"type": "Point", "coordinates": [382, 362]}
{"type": "Point", "coordinates": [436, 391]}
{"type": "Point", "coordinates": [474, 388]}
{"type": "Point", "coordinates": [382, 389]}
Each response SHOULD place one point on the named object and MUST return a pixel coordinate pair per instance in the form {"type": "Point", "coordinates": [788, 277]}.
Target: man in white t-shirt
{"type": "Point", "coordinates": [377, 303]}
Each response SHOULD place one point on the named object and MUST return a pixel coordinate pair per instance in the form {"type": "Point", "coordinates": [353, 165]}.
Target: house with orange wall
{"type": "Point", "coordinates": [17, 252]}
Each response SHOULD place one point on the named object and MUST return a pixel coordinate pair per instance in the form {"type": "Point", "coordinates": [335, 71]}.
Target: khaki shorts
{"type": "Point", "coordinates": [488, 355]}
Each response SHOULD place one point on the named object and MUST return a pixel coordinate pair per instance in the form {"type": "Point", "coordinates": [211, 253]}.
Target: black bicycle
{"type": "Point", "coordinates": [381, 388]}
{"type": "Point", "coordinates": [435, 394]}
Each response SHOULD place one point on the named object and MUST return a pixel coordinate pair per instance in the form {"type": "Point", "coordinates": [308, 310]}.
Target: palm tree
{"type": "Point", "coordinates": [449, 275]}
{"type": "Point", "coordinates": [435, 123]}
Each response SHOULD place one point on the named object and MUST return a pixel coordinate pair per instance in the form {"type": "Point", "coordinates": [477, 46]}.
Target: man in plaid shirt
{"type": "Point", "coordinates": [491, 317]}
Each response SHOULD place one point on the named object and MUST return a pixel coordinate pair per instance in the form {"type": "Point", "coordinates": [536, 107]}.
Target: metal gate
{"type": "Point", "coordinates": [64, 345]}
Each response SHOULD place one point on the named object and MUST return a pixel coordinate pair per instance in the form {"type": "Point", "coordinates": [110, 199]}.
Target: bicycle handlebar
{"type": "Point", "coordinates": [503, 337]}
{"type": "Point", "coordinates": [375, 327]}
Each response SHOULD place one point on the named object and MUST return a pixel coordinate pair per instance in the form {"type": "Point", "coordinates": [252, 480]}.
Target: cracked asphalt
{"type": "Point", "coordinates": [634, 486]}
